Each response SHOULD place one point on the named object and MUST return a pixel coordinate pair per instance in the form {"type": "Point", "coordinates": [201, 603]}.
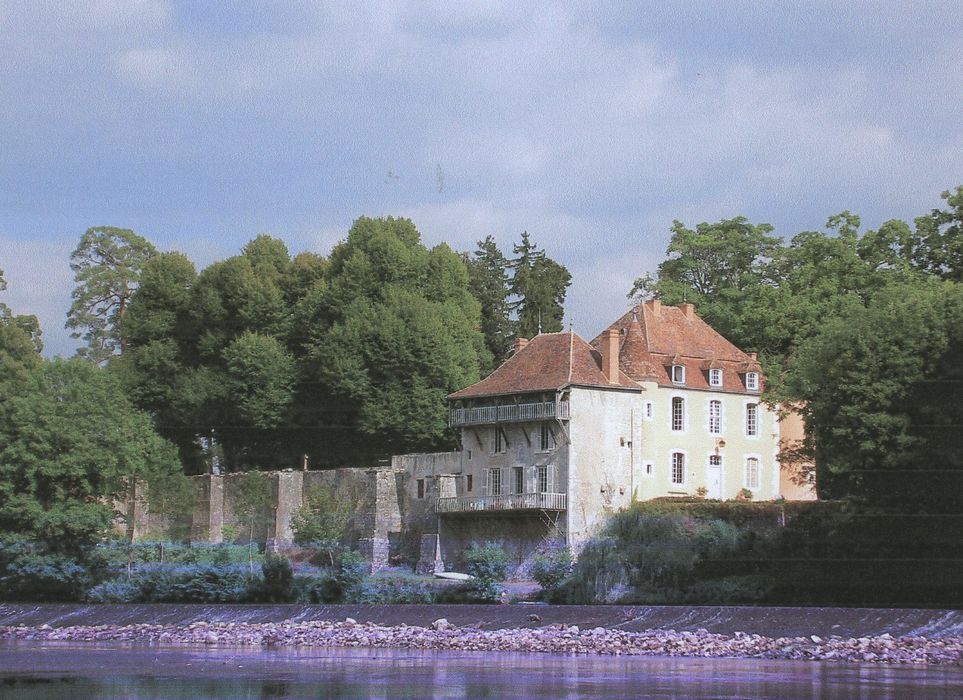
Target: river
{"type": "Point", "coordinates": [31, 671]}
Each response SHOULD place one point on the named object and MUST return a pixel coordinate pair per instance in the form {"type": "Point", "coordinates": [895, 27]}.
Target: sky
{"type": "Point", "coordinates": [592, 126]}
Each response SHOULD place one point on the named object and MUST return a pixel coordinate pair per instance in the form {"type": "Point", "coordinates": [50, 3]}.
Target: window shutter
{"type": "Point", "coordinates": [551, 478]}
{"type": "Point", "coordinates": [485, 481]}
{"type": "Point", "coordinates": [531, 484]}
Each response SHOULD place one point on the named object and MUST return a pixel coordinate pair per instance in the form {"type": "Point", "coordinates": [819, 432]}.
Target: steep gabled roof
{"type": "Point", "coordinates": [654, 337]}
{"type": "Point", "coordinates": [548, 362]}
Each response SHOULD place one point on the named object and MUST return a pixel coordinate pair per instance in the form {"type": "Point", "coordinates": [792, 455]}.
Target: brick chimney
{"type": "Point", "coordinates": [654, 304]}
{"type": "Point", "coordinates": [519, 344]}
{"type": "Point", "coordinates": [610, 355]}
{"type": "Point", "coordinates": [688, 310]}
{"type": "Point", "coordinates": [753, 356]}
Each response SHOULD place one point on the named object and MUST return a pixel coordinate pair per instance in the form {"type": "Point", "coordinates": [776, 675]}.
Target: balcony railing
{"type": "Point", "coordinates": [509, 413]}
{"type": "Point", "coordinates": [507, 502]}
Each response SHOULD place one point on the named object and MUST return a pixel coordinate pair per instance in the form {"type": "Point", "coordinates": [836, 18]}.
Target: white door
{"type": "Point", "coordinates": [714, 477]}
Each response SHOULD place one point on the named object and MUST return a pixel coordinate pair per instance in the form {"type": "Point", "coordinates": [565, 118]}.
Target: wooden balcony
{"type": "Point", "coordinates": [509, 413]}
{"type": "Point", "coordinates": [507, 503]}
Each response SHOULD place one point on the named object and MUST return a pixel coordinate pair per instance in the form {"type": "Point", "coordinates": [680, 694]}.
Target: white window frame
{"type": "Point", "coordinates": [672, 467]}
{"type": "Point", "coordinates": [717, 419]}
{"type": "Point", "coordinates": [745, 472]}
{"type": "Point", "coordinates": [542, 475]}
{"type": "Point", "coordinates": [492, 479]}
{"type": "Point", "coordinates": [715, 377]}
{"type": "Point", "coordinates": [678, 374]}
{"type": "Point", "coordinates": [745, 419]}
{"type": "Point", "coordinates": [752, 381]}
{"type": "Point", "coordinates": [685, 414]}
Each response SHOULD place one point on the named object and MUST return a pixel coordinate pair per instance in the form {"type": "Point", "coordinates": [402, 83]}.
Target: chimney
{"type": "Point", "coordinates": [753, 356]}
{"type": "Point", "coordinates": [654, 304]}
{"type": "Point", "coordinates": [519, 344]}
{"type": "Point", "coordinates": [610, 355]}
{"type": "Point", "coordinates": [688, 310]}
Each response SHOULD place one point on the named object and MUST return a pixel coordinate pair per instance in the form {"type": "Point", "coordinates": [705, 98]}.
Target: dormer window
{"type": "Point", "coordinates": [715, 377]}
{"type": "Point", "coordinates": [678, 374]}
{"type": "Point", "coordinates": [752, 381]}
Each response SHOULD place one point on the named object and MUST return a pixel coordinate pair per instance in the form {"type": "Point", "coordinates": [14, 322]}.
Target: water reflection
{"type": "Point", "coordinates": [44, 671]}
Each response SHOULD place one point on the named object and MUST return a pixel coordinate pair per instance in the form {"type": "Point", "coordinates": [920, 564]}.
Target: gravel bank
{"type": "Point", "coordinates": [555, 638]}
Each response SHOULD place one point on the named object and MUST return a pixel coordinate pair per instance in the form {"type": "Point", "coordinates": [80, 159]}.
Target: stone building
{"type": "Point", "coordinates": [565, 431]}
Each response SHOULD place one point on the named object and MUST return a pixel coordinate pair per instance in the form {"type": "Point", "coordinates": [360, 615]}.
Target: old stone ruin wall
{"type": "Point", "coordinates": [391, 524]}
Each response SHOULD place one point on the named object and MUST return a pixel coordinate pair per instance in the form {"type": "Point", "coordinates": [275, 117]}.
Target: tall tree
{"type": "Point", "coordinates": [938, 239]}
{"type": "Point", "coordinates": [539, 285]}
{"type": "Point", "coordinates": [488, 281]}
{"type": "Point", "coordinates": [107, 264]}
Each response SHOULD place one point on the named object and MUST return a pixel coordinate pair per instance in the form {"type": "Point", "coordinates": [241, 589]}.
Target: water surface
{"type": "Point", "coordinates": [33, 671]}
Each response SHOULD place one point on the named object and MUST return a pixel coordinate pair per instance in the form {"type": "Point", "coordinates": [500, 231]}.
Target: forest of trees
{"type": "Point", "coordinates": [264, 358]}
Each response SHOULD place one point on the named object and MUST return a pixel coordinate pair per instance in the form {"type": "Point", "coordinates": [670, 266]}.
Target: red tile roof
{"type": "Point", "coordinates": [548, 362]}
{"type": "Point", "coordinates": [654, 337]}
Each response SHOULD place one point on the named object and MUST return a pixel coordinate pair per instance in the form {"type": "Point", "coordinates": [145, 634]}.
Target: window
{"type": "Point", "coordinates": [678, 468]}
{"type": "Point", "coordinates": [678, 413]}
{"type": "Point", "coordinates": [649, 468]}
{"type": "Point", "coordinates": [649, 410]}
{"type": "Point", "coordinates": [715, 377]}
{"type": "Point", "coordinates": [752, 381]}
{"type": "Point", "coordinates": [469, 455]}
{"type": "Point", "coordinates": [678, 374]}
{"type": "Point", "coordinates": [542, 479]}
{"type": "Point", "coordinates": [546, 440]}
{"type": "Point", "coordinates": [468, 483]}
{"type": "Point", "coordinates": [715, 417]}
{"type": "Point", "coordinates": [752, 419]}
{"type": "Point", "coordinates": [715, 460]}
{"type": "Point", "coordinates": [494, 482]}
{"type": "Point", "coordinates": [519, 475]}
{"type": "Point", "coordinates": [499, 441]}
{"type": "Point", "coordinates": [752, 473]}
{"type": "Point", "coordinates": [421, 488]}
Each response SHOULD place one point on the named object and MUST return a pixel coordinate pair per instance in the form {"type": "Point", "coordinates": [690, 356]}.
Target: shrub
{"type": "Point", "coordinates": [550, 569]}
{"type": "Point", "coordinates": [194, 583]}
{"type": "Point", "coordinates": [489, 565]}
{"type": "Point", "coordinates": [351, 572]}
{"type": "Point", "coordinates": [276, 583]}
{"type": "Point", "coordinates": [321, 519]}
{"type": "Point", "coordinates": [115, 591]}
{"type": "Point", "coordinates": [317, 588]}
{"type": "Point", "coordinates": [43, 577]}
{"type": "Point", "coordinates": [393, 592]}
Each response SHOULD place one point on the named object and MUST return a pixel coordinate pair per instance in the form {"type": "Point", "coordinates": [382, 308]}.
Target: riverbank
{"type": "Point", "coordinates": [857, 635]}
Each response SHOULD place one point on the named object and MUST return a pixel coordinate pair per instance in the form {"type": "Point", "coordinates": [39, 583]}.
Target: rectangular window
{"type": "Point", "coordinates": [499, 441]}
{"type": "Point", "coordinates": [715, 377]}
{"type": "Point", "coordinates": [421, 488]}
{"type": "Point", "coordinates": [752, 473]}
{"type": "Point", "coordinates": [519, 474]}
{"type": "Point", "coordinates": [678, 468]}
{"type": "Point", "coordinates": [649, 469]}
{"type": "Point", "coordinates": [715, 417]}
{"type": "Point", "coordinates": [752, 419]}
{"type": "Point", "coordinates": [715, 460]}
{"type": "Point", "coordinates": [468, 483]}
{"type": "Point", "coordinates": [678, 413]}
{"type": "Point", "coordinates": [494, 482]}
{"type": "Point", "coordinates": [649, 410]}
{"type": "Point", "coordinates": [752, 381]}
{"type": "Point", "coordinates": [678, 374]}
{"type": "Point", "coordinates": [546, 440]}
{"type": "Point", "coordinates": [543, 479]}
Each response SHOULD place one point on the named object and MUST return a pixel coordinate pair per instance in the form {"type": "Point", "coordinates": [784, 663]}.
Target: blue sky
{"type": "Point", "coordinates": [203, 124]}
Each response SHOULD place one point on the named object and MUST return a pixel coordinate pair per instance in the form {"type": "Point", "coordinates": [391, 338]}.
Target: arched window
{"type": "Point", "coordinates": [752, 381]}
{"type": "Point", "coordinates": [678, 374]}
{"type": "Point", "coordinates": [678, 413]}
{"type": "Point", "coordinates": [752, 473]}
{"type": "Point", "coordinates": [678, 468]}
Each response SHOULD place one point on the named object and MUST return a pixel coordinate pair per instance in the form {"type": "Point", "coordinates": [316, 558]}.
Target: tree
{"type": "Point", "coordinates": [322, 519]}
{"type": "Point", "coordinates": [880, 384]}
{"type": "Point", "coordinates": [107, 264]}
{"type": "Point", "coordinates": [262, 377]}
{"type": "Point", "coordinates": [70, 445]}
{"type": "Point", "coordinates": [938, 240]}
{"type": "Point", "coordinates": [539, 285]}
{"type": "Point", "coordinates": [488, 281]}
{"type": "Point", "coordinates": [393, 331]}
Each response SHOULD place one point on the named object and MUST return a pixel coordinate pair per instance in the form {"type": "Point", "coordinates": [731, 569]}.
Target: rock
{"type": "Point", "coordinates": [210, 638]}
{"type": "Point", "coordinates": [534, 618]}
{"type": "Point", "coordinates": [350, 622]}
{"type": "Point", "coordinates": [816, 638]}
{"type": "Point", "coordinates": [441, 624]}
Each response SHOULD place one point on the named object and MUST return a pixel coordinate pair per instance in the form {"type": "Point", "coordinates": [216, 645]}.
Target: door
{"type": "Point", "coordinates": [714, 477]}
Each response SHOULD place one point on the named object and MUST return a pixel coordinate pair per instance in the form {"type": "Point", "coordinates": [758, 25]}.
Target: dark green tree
{"type": "Point", "coordinates": [539, 285]}
{"type": "Point", "coordinates": [488, 280]}
{"type": "Point", "coordinates": [938, 240]}
{"type": "Point", "coordinates": [70, 445]}
{"type": "Point", "coordinates": [107, 264]}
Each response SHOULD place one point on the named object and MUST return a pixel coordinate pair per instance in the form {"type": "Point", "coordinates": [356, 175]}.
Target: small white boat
{"type": "Point", "coordinates": [453, 576]}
